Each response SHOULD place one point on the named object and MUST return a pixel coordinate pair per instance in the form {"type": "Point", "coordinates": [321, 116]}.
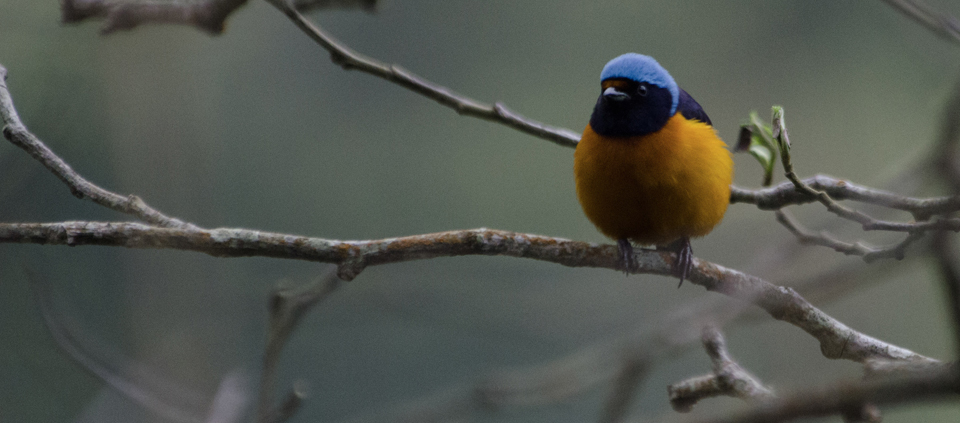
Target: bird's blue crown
{"type": "Point", "coordinates": [641, 68]}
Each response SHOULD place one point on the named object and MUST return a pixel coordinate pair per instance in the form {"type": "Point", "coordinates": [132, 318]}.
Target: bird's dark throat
{"type": "Point", "coordinates": [645, 111]}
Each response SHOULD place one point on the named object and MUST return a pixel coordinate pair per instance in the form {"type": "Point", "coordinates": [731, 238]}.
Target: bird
{"type": "Point", "coordinates": [650, 169]}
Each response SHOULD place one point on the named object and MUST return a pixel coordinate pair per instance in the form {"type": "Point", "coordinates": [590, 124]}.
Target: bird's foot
{"type": "Point", "coordinates": [627, 262]}
{"type": "Point", "coordinates": [684, 262]}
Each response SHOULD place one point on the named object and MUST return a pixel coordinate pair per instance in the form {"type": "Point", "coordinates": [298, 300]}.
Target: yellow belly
{"type": "Point", "coordinates": [655, 188]}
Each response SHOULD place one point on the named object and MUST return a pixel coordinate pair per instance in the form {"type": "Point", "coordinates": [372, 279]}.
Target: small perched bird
{"type": "Point", "coordinates": [650, 168]}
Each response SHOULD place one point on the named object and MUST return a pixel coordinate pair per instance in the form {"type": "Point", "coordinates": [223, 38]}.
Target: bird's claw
{"type": "Point", "coordinates": [627, 262]}
{"type": "Point", "coordinates": [684, 262]}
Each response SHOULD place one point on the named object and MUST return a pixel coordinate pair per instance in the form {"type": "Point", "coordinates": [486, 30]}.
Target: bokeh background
{"type": "Point", "coordinates": [256, 128]}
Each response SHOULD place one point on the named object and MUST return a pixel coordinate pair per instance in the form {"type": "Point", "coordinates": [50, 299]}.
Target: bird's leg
{"type": "Point", "coordinates": [627, 261]}
{"type": "Point", "coordinates": [684, 262]}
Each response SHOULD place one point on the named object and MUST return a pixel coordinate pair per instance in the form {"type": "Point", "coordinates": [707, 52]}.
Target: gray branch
{"type": "Point", "coordinates": [351, 257]}
{"type": "Point", "coordinates": [16, 132]}
{"type": "Point", "coordinates": [858, 248]}
{"type": "Point", "coordinates": [849, 398]}
{"type": "Point", "coordinates": [369, 6]}
{"type": "Point", "coordinates": [942, 24]}
{"type": "Point", "coordinates": [728, 378]}
{"type": "Point", "coordinates": [349, 59]}
{"type": "Point", "coordinates": [287, 308]}
{"type": "Point", "coordinates": [837, 341]}
{"type": "Point", "coordinates": [787, 194]}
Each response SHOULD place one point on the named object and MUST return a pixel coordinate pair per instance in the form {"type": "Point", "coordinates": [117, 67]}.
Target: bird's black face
{"type": "Point", "coordinates": [629, 108]}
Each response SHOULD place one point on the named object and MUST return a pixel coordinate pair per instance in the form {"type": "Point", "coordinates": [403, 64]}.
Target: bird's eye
{"type": "Point", "coordinates": [642, 90]}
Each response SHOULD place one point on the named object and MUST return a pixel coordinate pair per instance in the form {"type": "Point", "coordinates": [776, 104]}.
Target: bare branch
{"type": "Point", "coordinates": [130, 379]}
{"type": "Point", "coordinates": [942, 24]}
{"type": "Point", "coordinates": [836, 339]}
{"type": "Point", "coordinates": [15, 132]}
{"type": "Point", "coordinates": [771, 198]}
{"type": "Point", "coordinates": [868, 222]}
{"type": "Point", "coordinates": [685, 394]}
{"type": "Point", "coordinates": [209, 15]}
{"type": "Point", "coordinates": [728, 378]}
{"type": "Point", "coordinates": [349, 59]}
{"type": "Point", "coordinates": [849, 397]}
{"type": "Point", "coordinates": [787, 194]}
{"type": "Point", "coordinates": [805, 236]}
{"type": "Point", "coordinates": [369, 6]}
{"type": "Point", "coordinates": [878, 368]}
{"type": "Point", "coordinates": [287, 308]}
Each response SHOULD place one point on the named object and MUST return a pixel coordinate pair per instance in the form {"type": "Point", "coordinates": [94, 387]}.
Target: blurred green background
{"type": "Point", "coordinates": [256, 128]}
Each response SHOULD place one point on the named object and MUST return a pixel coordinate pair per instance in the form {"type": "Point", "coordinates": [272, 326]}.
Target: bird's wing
{"type": "Point", "coordinates": [690, 109]}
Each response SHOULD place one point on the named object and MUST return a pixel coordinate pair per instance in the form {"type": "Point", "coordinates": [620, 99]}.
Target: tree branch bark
{"type": "Point", "coordinates": [837, 341]}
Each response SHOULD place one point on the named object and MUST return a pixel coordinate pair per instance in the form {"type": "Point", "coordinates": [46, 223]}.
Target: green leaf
{"type": "Point", "coordinates": [780, 136]}
{"type": "Point", "coordinates": [757, 139]}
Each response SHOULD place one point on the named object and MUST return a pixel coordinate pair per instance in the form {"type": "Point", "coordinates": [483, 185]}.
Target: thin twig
{"type": "Point", "coordinates": [868, 222]}
{"type": "Point", "coordinates": [850, 397]}
{"type": "Point", "coordinates": [16, 132]}
{"type": "Point", "coordinates": [349, 59]}
{"type": "Point", "coordinates": [369, 6]}
{"type": "Point", "coordinates": [879, 368]}
{"type": "Point", "coordinates": [787, 194]}
{"type": "Point", "coordinates": [287, 308]}
{"type": "Point", "coordinates": [728, 378]}
{"type": "Point", "coordinates": [132, 380]}
{"type": "Point", "coordinates": [942, 24]}
{"type": "Point", "coordinates": [869, 253]}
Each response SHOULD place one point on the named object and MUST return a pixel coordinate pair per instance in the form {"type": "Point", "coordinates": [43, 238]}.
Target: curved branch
{"type": "Point", "coordinates": [787, 194]}
{"type": "Point", "coordinates": [728, 378]}
{"type": "Point", "coordinates": [942, 24]}
{"type": "Point", "coordinates": [349, 59]}
{"type": "Point", "coordinates": [134, 381]}
{"type": "Point", "coordinates": [837, 341]}
{"type": "Point", "coordinates": [288, 306]}
{"type": "Point", "coordinates": [16, 132]}
{"type": "Point", "coordinates": [823, 238]}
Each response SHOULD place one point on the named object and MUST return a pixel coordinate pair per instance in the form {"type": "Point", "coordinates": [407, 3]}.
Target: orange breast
{"type": "Point", "coordinates": [654, 188]}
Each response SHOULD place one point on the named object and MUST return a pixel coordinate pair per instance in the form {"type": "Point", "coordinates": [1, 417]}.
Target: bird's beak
{"type": "Point", "coordinates": [612, 94]}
